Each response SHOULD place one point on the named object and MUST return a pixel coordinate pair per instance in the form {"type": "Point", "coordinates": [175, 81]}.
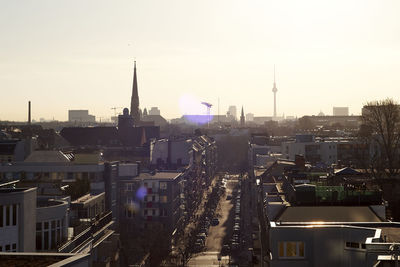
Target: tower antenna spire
{"type": "Point", "coordinates": [274, 90]}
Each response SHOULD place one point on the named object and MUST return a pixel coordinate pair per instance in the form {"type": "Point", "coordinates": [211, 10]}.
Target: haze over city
{"type": "Point", "coordinates": [59, 55]}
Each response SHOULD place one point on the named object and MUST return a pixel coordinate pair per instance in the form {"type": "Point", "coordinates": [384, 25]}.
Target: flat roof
{"type": "Point", "coordinates": [87, 198]}
{"type": "Point", "coordinates": [39, 258]}
{"type": "Point", "coordinates": [392, 234]}
{"type": "Point", "coordinates": [159, 175]}
{"type": "Point", "coordinates": [328, 214]}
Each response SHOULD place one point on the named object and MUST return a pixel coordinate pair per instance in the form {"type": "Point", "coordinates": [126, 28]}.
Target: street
{"type": "Point", "coordinates": [221, 234]}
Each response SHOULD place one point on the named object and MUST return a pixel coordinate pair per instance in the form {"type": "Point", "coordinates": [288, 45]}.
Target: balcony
{"type": "Point", "coordinates": [97, 231]}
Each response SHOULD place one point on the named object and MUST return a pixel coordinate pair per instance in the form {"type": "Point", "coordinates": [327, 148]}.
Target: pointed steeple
{"type": "Point", "coordinates": [242, 120]}
{"type": "Point", "coordinates": [135, 98]}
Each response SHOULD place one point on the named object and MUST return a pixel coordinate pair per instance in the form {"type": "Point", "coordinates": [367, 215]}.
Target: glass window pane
{"type": "Point", "coordinates": [291, 249]}
{"type": "Point", "coordinates": [14, 217]}
{"type": "Point", "coordinates": [38, 240]}
{"type": "Point", "coordinates": [301, 249]}
{"type": "Point", "coordinates": [281, 249]}
{"type": "Point", "coordinates": [7, 215]}
{"type": "Point", "coordinates": [39, 226]}
{"type": "Point", "coordinates": [46, 240]}
{"type": "Point", "coordinates": [53, 239]}
{"type": "Point", "coordinates": [1, 216]}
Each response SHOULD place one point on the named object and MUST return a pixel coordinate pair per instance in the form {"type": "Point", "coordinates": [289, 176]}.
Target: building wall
{"type": "Point", "coordinates": [323, 246]}
{"type": "Point", "coordinates": [340, 111]}
{"type": "Point", "coordinates": [19, 229]}
{"type": "Point", "coordinates": [80, 116]}
{"type": "Point", "coordinates": [50, 171]}
{"type": "Point", "coordinates": [180, 150]}
{"type": "Point", "coordinates": [51, 224]}
{"type": "Point", "coordinates": [312, 151]}
{"type": "Point", "coordinates": [158, 150]}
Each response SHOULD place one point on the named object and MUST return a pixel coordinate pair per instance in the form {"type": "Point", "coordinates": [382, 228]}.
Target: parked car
{"type": "Point", "coordinates": [235, 245]}
{"type": "Point", "coordinates": [225, 250]}
{"type": "Point", "coordinates": [215, 221]}
{"type": "Point", "coordinates": [202, 236]}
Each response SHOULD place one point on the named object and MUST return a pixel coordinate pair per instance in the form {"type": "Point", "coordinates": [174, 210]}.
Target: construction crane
{"type": "Point", "coordinates": [208, 105]}
{"type": "Point", "coordinates": [115, 110]}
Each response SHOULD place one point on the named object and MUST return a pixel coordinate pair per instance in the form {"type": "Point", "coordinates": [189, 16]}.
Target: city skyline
{"type": "Point", "coordinates": [336, 54]}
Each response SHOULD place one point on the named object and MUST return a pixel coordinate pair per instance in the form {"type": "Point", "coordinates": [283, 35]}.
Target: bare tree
{"type": "Point", "coordinates": [381, 120]}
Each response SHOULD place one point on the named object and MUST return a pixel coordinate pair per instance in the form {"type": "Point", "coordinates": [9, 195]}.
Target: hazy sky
{"type": "Point", "coordinates": [79, 55]}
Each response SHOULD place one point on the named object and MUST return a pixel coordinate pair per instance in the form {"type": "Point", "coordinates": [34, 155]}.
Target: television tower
{"type": "Point", "coordinates": [274, 90]}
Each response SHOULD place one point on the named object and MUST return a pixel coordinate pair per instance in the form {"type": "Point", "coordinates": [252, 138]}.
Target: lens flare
{"type": "Point", "coordinates": [141, 193]}
{"type": "Point", "coordinates": [193, 110]}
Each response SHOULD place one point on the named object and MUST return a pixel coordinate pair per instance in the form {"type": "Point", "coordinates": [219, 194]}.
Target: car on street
{"type": "Point", "coordinates": [215, 222]}
{"type": "Point", "coordinates": [225, 250]}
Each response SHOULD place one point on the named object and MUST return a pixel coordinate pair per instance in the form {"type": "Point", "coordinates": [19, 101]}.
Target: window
{"type": "Point", "coordinates": [145, 185]}
{"type": "Point", "coordinates": [14, 247]}
{"type": "Point", "coordinates": [7, 215]}
{"type": "Point", "coordinates": [38, 240]}
{"type": "Point", "coordinates": [14, 216]}
{"type": "Point", "coordinates": [163, 185]}
{"type": "Point", "coordinates": [1, 216]}
{"type": "Point", "coordinates": [352, 245]}
{"type": "Point", "coordinates": [163, 199]}
{"type": "Point", "coordinates": [46, 240]}
{"type": "Point", "coordinates": [145, 212]}
{"type": "Point", "coordinates": [153, 198]}
{"type": "Point", "coordinates": [53, 239]}
{"type": "Point", "coordinates": [128, 187]}
{"type": "Point", "coordinates": [163, 212]}
{"type": "Point", "coordinates": [154, 212]}
{"type": "Point", "coordinates": [291, 249]}
{"type": "Point", "coordinates": [46, 225]}
{"type": "Point", "coordinates": [39, 226]}
{"type": "Point", "coordinates": [8, 248]}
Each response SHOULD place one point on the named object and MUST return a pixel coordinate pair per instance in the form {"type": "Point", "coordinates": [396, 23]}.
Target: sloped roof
{"type": "Point", "coordinates": [347, 171]}
{"type": "Point", "coordinates": [47, 156]}
{"type": "Point", "coordinates": [328, 214]}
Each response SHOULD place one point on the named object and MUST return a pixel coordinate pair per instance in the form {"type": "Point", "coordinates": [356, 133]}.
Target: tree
{"type": "Point", "coordinates": [305, 123]}
{"type": "Point", "coordinates": [381, 129]}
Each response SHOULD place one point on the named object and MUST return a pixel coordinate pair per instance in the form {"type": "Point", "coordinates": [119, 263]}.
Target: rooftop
{"type": "Point", "coordinates": [47, 156]}
{"type": "Point", "coordinates": [159, 175]}
{"type": "Point", "coordinates": [41, 259]}
{"type": "Point", "coordinates": [86, 198]}
{"type": "Point", "coordinates": [392, 234]}
{"type": "Point", "coordinates": [328, 214]}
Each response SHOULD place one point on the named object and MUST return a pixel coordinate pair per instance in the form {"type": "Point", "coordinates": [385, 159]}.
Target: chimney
{"type": "Point", "coordinates": [29, 112]}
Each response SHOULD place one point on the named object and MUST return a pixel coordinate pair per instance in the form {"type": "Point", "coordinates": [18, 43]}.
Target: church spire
{"type": "Point", "coordinates": [242, 120]}
{"type": "Point", "coordinates": [135, 98]}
